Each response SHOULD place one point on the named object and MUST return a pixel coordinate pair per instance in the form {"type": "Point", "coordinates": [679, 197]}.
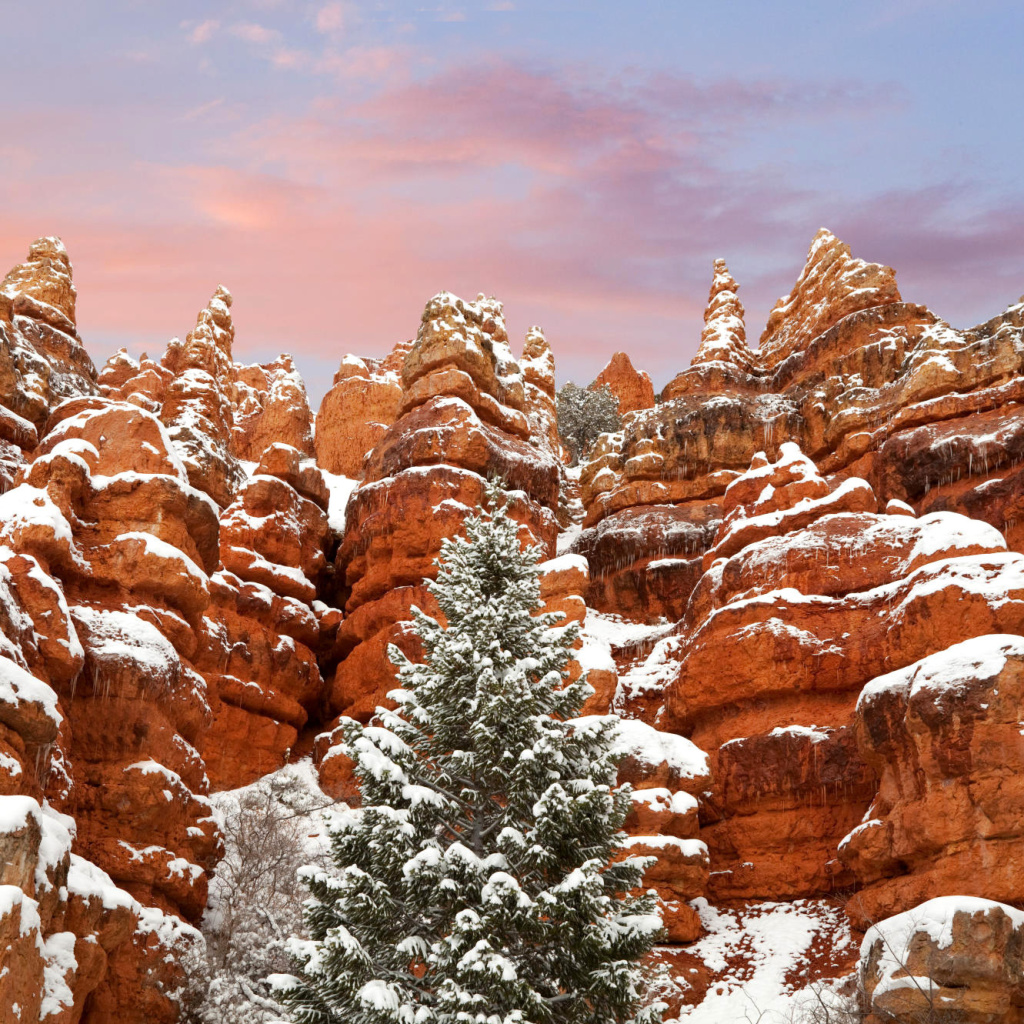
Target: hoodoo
{"type": "Point", "coordinates": [799, 575]}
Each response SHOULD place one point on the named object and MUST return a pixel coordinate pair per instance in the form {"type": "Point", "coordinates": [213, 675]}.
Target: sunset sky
{"type": "Point", "coordinates": [335, 164]}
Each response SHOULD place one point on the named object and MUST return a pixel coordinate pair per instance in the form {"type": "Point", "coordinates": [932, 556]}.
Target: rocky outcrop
{"type": "Point", "coordinates": [243, 434]}
{"type": "Point", "coordinates": [943, 736]}
{"type": "Point", "coordinates": [265, 627]}
{"type": "Point", "coordinates": [155, 639]}
{"type": "Point", "coordinates": [668, 774]}
{"type": "Point", "coordinates": [952, 959]}
{"type": "Point", "coordinates": [797, 578]}
{"type": "Point", "coordinates": [538, 366]}
{"type": "Point", "coordinates": [632, 388]}
{"type": "Point", "coordinates": [219, 413]}
{"type": "Point", "coordinates": [808, 593]}
{"type": "Point", "coordinates": [42, 359]}
{"type": "Point", "coordinates": [462, 419]}
{"type": "Point", "coordinates": [357, 411]}
{"type": "Point", "coordinates": [114, 546]}
{"type": "Point", "coordinates": [867, 385]}
{"type": "Point", "coordinates": [833, 285]}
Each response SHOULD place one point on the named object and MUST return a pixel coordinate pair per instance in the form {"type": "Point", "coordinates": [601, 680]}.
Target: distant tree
{"type": "Point", "coordinates": [481, 881]}
{"type": "Point", "coordinates": [584, 415]}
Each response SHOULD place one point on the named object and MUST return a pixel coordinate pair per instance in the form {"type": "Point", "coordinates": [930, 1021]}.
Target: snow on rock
{"type": "Point", "coordinates": [462, 419]}
{"type": "Point", "coordinates": [943, 737]}
{"type": "Point", "coordinates": [957, 955]}
{"type": "Point", "coordinates": [340, 488]}
{"type": "Point", "coordinates": [976, 660]}
{"type": "Point", "coordinates": [651, 754]}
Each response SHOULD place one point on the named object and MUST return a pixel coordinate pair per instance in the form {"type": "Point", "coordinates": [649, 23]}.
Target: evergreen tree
{"type": "Point", "coordinates": [476, 883]}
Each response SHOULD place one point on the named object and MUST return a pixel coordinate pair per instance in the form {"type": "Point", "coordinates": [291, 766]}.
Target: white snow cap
{"type": "Point", "coordinates": [934, 919]}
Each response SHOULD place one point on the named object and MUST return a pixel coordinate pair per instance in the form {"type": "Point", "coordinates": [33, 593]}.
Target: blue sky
{"type": "Point", "coordinates": [335, 164]}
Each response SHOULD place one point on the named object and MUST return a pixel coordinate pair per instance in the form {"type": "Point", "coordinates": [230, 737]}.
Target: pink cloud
{"type": "Point", "coordinates": [591, 207]}
{"type": "Point", "coordinates": [203, 32]}
{"type": "Point", "coordinates": [330, 19]}
{"type": "Point", "coordinates": [253, 32]}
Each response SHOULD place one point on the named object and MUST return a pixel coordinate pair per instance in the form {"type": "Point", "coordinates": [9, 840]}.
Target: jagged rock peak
{"type": "Point", "coordinates": [538, 366]}
{"type": "Point", "coordinates": [214, 322]}
{"type": "Point", "coordinates": [208, 345]}
{"type": "Point", "coordinates": [44, 284]}
{"type": "Point", "coordinates": [538, 362]}
{"type": "Point", "coordinates": [831, 285]}
{"type": "Point", "coordinates": [632, 387]}
{"type": "Point", "coordinates": [724, 338]}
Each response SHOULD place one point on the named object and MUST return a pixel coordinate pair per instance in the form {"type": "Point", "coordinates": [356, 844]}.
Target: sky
{"type": "Point", "coordinates": [337, 163]}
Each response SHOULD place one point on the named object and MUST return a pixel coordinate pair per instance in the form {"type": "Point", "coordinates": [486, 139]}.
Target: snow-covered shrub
{"type": "Point", "coordinates": [479, 881]}
{"type": "Point", "coordinates": [255, 897]}
{"type": "Point", "coordinates": [584, 415]}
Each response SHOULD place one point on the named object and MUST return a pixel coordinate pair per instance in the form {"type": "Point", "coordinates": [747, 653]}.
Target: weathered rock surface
{"type": "Point", "coordinates": [114, 545]}
{"type": "Point", "coordinates": [951, 959]}
{"type": "Point", "coordinates": [42, 359]}
{"type": "Point", "coordinates": [632, 387]}
{"type": "Point", "coordinates": [219, 413]}
{"type": "Point", "coordinates": [538, 366]}
{"type": "Point", "coordinates": [461, 420]}
{"type": "Point", "coordinates": [943, 736]}
{"type": "Point", "coordinates": [866, 384]}
{"type": "Point", "coordinates": [803, 562]}
{"type": "Point", "coordinates": [808, 593]}
{"type": "Point", "coordinates": [356, 413]}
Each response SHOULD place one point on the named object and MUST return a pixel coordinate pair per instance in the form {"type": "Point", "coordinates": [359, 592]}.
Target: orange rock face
{"type": "Point", "coordinates": [951, 959]}
{"type": "Point", "coordinates": [943, 736]}
{"type": "Point", "coordinates": [461, 421]}
{"type": "Point", "coordinates": [866, 384]}
{"type": "Point", "coordinates": [42, 360]}
{"type": "Point", "coordinates": [724, 338]}
{"type": "Point", "coordinates": [152, 640]}
{"type": "Point", "coordinates": [809, 593]}
{"type": "Point", "coordinates": [798, 578]}
{"type": "Point", "coordinates": [355, 414]}
{"type": "Point", "coordinates": [113, 546]}
{"type": "Point", "coordinates": [218, 412]}
{"type": "Point", "coordinates": [631, 387]}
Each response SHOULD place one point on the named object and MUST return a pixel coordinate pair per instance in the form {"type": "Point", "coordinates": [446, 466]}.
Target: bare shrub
{"type": "Point", "coordinates": [583, 416]}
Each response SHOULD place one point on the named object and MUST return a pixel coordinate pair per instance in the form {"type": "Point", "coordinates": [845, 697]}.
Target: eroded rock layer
{"type": "Point", "coordinates": [866, 384]}
{"type": "Point", "coordinates": [797, 576]}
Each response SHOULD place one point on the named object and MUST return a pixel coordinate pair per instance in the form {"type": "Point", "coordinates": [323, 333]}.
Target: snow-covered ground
{"type": "Point", "coordinates": [758, 962]}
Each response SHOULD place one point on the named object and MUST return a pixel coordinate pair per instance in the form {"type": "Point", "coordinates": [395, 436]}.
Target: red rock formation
{"type": "Point", "coordinates": [355, 414]}
{"type": "Point", "coordinates": [538, 365]}
{"type": "Point", "coordinates": [724, 338]}
{"type": "Point", "coordinates": [667, 774]}
{"type": "Point", "coordinates": [807, 594]}
{"type": "Point", "coordinates": [106, 510]}
{"type": "Point", "coordinates": [42, 360]}
{"type": "Point", "coordinates": [943, 736]}
{"type": "Point", "coordinates": [461, 421]}
{"type": "Point", "coordinates": [832, 285]}
{"type": "Point", "coordinates": [843, 644]}
{"type": "Point", "coordinates": [866, 384]}
{"type": "Point", "coordinates": [262, 633]}
{"type": "Point", "coordinates": [631, 387]}
{"type": "Point", "coordinates": [950, 959]}
{"type": "Point", "coordinates": [218, 412]}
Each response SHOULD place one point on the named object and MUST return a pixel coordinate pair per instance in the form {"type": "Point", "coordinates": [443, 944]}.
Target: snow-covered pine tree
{"type": "Point", "coordinates": [477, 882]}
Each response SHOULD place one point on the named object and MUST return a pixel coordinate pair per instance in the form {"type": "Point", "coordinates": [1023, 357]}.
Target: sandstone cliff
{"type": "Point", "coordinates": [799, 578]}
